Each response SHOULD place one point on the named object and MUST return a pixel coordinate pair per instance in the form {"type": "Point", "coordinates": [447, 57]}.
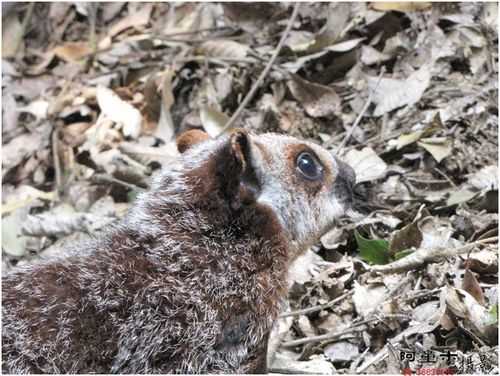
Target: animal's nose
{"type": "Point", "coordinates": [345, 181]}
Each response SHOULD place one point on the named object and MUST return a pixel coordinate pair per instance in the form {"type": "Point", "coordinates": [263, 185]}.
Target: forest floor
{"type": "Point", "coordinates": [406, 93]}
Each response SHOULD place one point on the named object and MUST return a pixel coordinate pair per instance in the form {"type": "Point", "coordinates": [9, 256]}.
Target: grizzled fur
{"type": "Point", "coordinates": [190, 281]}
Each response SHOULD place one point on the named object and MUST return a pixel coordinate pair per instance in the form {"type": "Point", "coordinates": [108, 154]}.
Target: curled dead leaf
{"type": "Point", "coordinates": [213, 120]}
{"type": "Point", "coordinates": [318, 100]}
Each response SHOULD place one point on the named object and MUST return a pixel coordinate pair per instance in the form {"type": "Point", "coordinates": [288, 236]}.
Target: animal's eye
{"type": "Point", "coordinates": [308, 166]}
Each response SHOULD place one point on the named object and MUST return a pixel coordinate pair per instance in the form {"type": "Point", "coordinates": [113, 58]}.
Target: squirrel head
{"type": "Point", "coordinates": [303, 184]}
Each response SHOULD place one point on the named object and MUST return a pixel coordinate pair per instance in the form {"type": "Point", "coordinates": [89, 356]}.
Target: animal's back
{"type": "Point", "coordinates": [193, 277]}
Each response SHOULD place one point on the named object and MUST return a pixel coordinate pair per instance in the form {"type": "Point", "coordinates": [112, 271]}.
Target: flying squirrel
{"type": "Point", "coordinates": [192, 279]}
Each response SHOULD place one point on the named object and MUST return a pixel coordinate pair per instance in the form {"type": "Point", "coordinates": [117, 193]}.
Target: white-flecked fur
{"type": "Point", "coordinates": [178, 286]}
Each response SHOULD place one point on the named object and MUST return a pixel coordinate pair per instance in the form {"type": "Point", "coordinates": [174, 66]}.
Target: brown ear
{"type": "Point", "coordinates": [189, 138]}
{"type": "Point", "coordinates": [235, 171]}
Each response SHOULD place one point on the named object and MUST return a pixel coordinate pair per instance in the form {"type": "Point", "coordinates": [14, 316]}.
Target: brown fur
{"type": "Point", "coordinates": [189, 282]}
{"type": "Point", "coordinates": [190, 138]}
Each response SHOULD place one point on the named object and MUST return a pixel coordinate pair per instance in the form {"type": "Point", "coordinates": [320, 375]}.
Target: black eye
{"type": "Point", "coordinates": [309, 166]}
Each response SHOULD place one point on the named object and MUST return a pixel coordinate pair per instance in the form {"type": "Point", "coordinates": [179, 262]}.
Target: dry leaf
{"type": "Point", "coordinates": [224, 48]}
{"type": "Point", "coordinates": [251, 17]}
{"type": "Point", "coordinates": [475, 316]}
{"type": "Point", "coordinates": [392, 93]}
{"type": "Point", "coordinates": [316, 366]}
{"type": "Point", "coordinates": [459, 197]}
{"type": "Point", "coordinates": [72, 52]}
{"type": "Point", "coordinates": [19, 148]}
{"type": "Point", "coordinates": [406, 238]}
{"type": "Point", "coordinates": [367, 165]}
{"type": "Point", "coordinates": [12, 37]}
{"type": "Point", "coordinates": [166, 128]}
{"type": "Point", "coordinates": [338, 17]}
{"type": "Point", "coordinates": [438, 147]}
{"type": "Point", "coordinates": [406, 139]}
{"type": "Point", "coordinates": [341, 351]}
{"type": "Point", "coordinates": [485, 179]}
{"type": "Point", "coordinates": [367, 299]}
{"type": "Point", "coordinates": [38, 108]}
{"type": "Point", "coordinates": [119, 111]}
{"type": "Point", "coordinates": [370, 56]}
{"type": "Point", "coordinates": [345, 46]}
{"type": "Point", "coordinates": [213, 120]}
{"type": "Point", "coordinates": [134, 19]}
{"type": "Point", "coordinates": [318, 100]}
{"type": "Point", "coordinates": [25, 195]}
{"type": "Point", "coordinates": [471, 285]}
{"type": "Point", "coordinates": [13, 242]}
{"type": "Point", "coordinates": [401, 6]}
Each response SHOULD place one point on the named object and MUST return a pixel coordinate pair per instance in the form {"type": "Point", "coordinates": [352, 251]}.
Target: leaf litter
{"type": "Point", "coordinates": [95, 93]}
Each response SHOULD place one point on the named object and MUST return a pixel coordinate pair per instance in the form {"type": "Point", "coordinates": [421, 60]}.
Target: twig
{"type": "Point", "coordinates": [320, 307]}
{"type": "Point", "coordinates": [57, 162]}
{"type": "Point", "coordinates": [24, 26]}
{"type": "Point", "coordinates": [329, 336]}
{"type": "Point", "coordinates": [420, 256]}
{"type": "Point", "coordinates": [219, 28]}
{"type": "Point", "coordinates": [266, 70]}
{"type": "Point", "coordinates": [446, 177]}
{"type": "Point", "coordinates": [360, 115]}
{"type": "Point", "coordinates": [105, 179]}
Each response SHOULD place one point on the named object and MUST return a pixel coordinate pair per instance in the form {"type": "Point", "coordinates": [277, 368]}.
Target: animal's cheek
{"type": "Point", "coordinates": [233, 332]}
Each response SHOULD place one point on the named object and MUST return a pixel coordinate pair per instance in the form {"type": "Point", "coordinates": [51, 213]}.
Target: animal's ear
{"type": "Point", "coordinates": [189, 138]}
{"type": "Point", "coordinates": [235, 170]}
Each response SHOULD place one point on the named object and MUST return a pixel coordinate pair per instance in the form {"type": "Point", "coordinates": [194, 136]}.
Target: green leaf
{"type": "Point", "coordinates": [374, 251]}
{"type": "Point", "coordinates": [401, 254]}
{"type": "Point", "coordinates": [493, 314]}
{"type": "Point", "coordinates": [132, 195]}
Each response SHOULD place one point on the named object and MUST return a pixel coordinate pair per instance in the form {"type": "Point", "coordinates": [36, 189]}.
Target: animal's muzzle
{"type": "Point", "coordinates": [344, 183]}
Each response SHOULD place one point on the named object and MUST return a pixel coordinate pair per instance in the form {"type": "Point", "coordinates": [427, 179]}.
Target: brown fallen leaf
{"type": "Point", "coordinates": [475, 317]}
{"type": "Point", "coordinates": [471, 285]}
{"type": "Point", "coordinates": [250, 16]}
{"type": "Point", "coordinates": [166, 128]}
{"type": "Point", "coordinates": [133, 20]}
{"type": "Point", "coordinates": [72, 52]}
{"type": "Point", "coordinates": [406, 238]}
{"type": "Point", "coordinates": [401, 6]}
{"type": "Point", "coordinates": [318, 100]}
{"type": "Point", "coordinates": [74, 134]}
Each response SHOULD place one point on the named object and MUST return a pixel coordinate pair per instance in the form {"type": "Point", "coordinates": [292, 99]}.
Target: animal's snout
{"type": "Point", "coordinates": [345, 181]}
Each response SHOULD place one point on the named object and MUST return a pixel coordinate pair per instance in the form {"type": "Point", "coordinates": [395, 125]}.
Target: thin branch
{"type": "Point", "coordinates": [266, 70]}
{"type": "Point", "coordinates": [57, 163]}
{"type": "Point", "coordinates": [329, 336]}
{"type": "Point", "coordinates": [105, 179]}
{"type": "Point", "coordinates": [320, 307]}
{"type": "Point", "coordinates": [171, 35]}
{"type": "Point", "coordinates": [420, 256]}
{"type": "Point", "coordinates": [360, 115]}
{"type": "Point", "coordinates": [353, 328]}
